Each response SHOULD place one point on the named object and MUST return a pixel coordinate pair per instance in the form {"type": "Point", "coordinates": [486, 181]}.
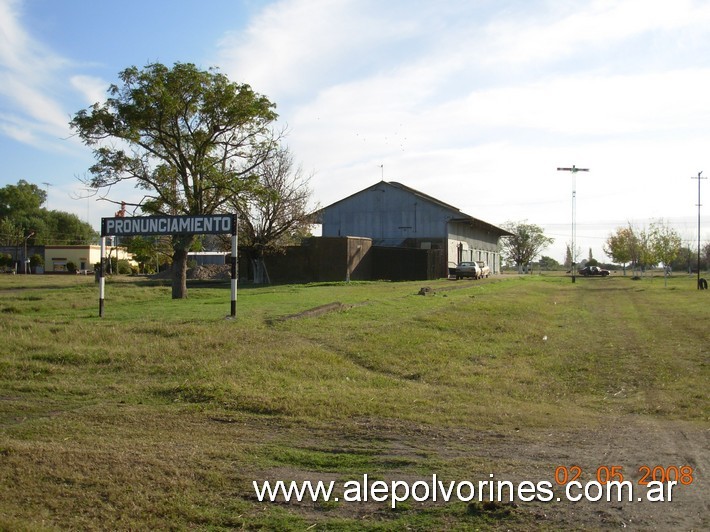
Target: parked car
{"type": "Point", "coordinates": [467, 269]}
{"type": "Point", "coordinates": [485, 270]}
{"type": "Point", "coordinates": [594, 270]}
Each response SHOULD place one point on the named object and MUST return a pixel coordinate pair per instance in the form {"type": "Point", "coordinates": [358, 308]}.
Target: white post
{"type": "Point", "coordinates": [101, 277]}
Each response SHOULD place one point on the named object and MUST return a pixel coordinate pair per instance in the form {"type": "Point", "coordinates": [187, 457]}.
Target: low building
{"type": "Point", "coordinates": [84, 257]}
{"type": "Point", "coordinates": [394, 215]}
{"type": "Point", "coordinates": [203, 258]}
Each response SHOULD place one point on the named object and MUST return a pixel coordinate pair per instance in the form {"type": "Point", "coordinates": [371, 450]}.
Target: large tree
{"type": "Point", "coordinates": [619, 246]}
{"type": "Point", "coordinates": [527, 242]}
{"type": "Point", "coordinates": [666, 243]}
{"type": "Point", "coordinates": [275, 215]}
{"type": "Point", "coordinates": [643, 247]}
{"type": "Point", "coordinates": [21, 200]}
{"type": "Point", "coordinates": [190, 138]}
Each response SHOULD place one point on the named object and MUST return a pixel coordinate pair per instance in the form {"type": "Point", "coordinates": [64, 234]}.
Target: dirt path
{"type": "Point", "coordinates": [534, 456]}
{"type": "Point", "coordinates": [631, 443]}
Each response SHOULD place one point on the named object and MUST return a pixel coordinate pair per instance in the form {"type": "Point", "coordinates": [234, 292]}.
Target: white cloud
{"type": "Point", "coordinates": [594, 105]}
{"type": "Point", "coordinates": [16, 129]}
{"type": "Point", "coordinates": [293, 47]}
{"type": "Point", "coordinates": [13, 39]}
{"type": "Point", "coordinates": [27, 83]}
{"type": "Point", "coordinates": [93, 89]}
{"type": "Point", "coordinates": [563, 30]}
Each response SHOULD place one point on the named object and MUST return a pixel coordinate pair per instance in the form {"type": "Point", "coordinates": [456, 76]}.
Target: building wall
{"type": "Point", "coordinates": [386, 213]}
{"type": "Point", "coordinates": [397, 217]}
{"type": "Point", "coordinates": [407, 264]}
{"type": "Point", "coordinates": [321, 259]}
{"type": "Point", "coordinates": [57, 257]}
{"type": "Point", "coordinates": [18, 255]}
{"type": "Point", "coordinates": [84, 257]}
{"type": "Point", "coordinates": [477, 243]}
{"type": "Point", "coordinates": [209, 257]}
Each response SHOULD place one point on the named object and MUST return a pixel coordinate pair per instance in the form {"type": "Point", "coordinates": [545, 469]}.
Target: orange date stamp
{"type": "Point", "coordinates": [683, 475]}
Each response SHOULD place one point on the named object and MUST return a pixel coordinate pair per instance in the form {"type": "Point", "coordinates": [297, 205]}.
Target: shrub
{"type": "Point", "coordinates": [123, 267]}
{"type": "Point", "coordinates": [6, 260]}
{"type": "Point", "coordinates": [71, 267]}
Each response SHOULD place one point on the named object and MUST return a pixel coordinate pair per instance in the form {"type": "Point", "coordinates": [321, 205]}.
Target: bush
{"type": "Point", "coordinates": [123, 267]}
{"type": "Point", "coordinates": [6, 260]}
{"type": "Point", "coordinates": [36, 260]}
{"type": "Point", "coordinates": [71, 267]}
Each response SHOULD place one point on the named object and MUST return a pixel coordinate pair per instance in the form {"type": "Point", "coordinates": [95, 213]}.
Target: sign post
{"type": "Point", "coordinates": [233, 311]}
{"type": "Point", "coordinates": [208, 224]}
{"type": "Point", "coordinates": [101, 277]}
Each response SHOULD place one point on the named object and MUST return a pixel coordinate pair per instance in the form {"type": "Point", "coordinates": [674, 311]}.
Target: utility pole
{"type": "Point", "coordinates": [699, 204]}
{"type": "Point", "coordinates": [574, 171]}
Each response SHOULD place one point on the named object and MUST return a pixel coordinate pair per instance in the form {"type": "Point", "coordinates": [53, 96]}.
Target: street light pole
{"type": "Point", "coordinates": [574, 171]}
{"type": "Point", "coordinates": [699, 178]}
{"type": "Point", "coordinates": [25, 255]}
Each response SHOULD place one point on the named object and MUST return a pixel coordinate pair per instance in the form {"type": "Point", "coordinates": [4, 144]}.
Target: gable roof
{"type": "Point", "coordinates": [458, 216]}
{"type": "Point", "coordinates": [400, 186]}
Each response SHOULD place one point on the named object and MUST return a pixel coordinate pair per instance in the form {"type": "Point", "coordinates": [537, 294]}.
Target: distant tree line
{"type": "Point", "coordinates": [638, 248]}
{"type": "Point", "coordinates": [641, 248]}
{"type": "Point", "coordinates": [25, 220]}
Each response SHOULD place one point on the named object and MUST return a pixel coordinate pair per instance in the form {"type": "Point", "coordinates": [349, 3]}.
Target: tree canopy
{"type": "Point", "coordinates": [21, 200]}
{"type": "Point", "coordinates": [644, 247]}
{"type": "Point", "coordinates": [22, 214]}
{"type": "Point", "coordinates": [527, 242]}
{"type": "Point", "coordinates": [666, 244]}
{"type": "Point", "coordinates": [190, 138]}
{"type": "Point", "coordinates": [276, 215]}
{"type": "Point", "coordinates": [620, 246]}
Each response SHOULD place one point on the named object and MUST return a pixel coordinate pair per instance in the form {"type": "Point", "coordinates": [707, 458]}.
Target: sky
{"type": "Point", "coordinates": [474, 102]}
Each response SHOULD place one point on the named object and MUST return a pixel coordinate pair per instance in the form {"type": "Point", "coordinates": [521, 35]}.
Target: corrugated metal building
{"type": "Point", "coordinates": [394, 215]}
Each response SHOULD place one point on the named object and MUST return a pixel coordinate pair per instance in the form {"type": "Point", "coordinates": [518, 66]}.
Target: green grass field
{"type": "Point", "coordinates": [162, 413]}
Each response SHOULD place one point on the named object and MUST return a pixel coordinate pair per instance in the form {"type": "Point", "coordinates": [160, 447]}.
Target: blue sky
{"type": "Point", "coordinates": [474, 102]}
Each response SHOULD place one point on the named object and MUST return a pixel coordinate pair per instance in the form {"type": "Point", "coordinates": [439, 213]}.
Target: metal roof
{"type": "Point", "coordinates": [458, 216]}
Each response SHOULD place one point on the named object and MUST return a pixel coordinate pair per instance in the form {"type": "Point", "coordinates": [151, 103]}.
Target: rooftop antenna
{"type": "Point", "coordinates": [382, 170]}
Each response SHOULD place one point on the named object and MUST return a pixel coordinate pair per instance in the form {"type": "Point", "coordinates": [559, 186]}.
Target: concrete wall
{"type": "Point", "coordinates": [17, 254]}
{"type": "Point", "coordinates": [323, 259]}
{"type": "Point", "coordinates": [407, 264]}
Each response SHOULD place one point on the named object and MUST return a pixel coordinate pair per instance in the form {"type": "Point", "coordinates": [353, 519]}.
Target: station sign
{"type": "Point", "coordinates": [168, 225]}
